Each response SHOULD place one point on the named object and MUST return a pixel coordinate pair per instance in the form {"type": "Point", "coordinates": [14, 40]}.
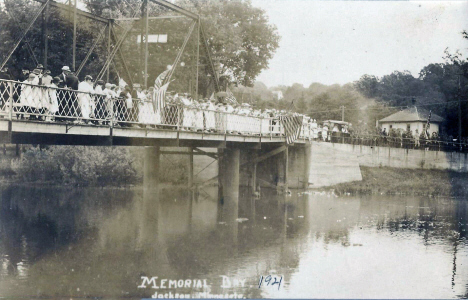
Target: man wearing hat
{"type": "Point", "coordinates": [63, 76]}
{"type": "Point", "coordinates": [71, 107]}
{"type": "Point", "coordinates": [65, 99]}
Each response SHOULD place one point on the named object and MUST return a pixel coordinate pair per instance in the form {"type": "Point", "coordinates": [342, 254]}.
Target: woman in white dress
{"type": "Point", "coordinates": [188, 113]}
{"type": "Point", "coordinates": [84, 98]}
{"type": "Point", "coordinates": [52, 93]}
{"type": "Point", "coordinates": [198, 118]}
{"type": "Point", "coordinates": [37, 93]}
{"type": "Point", "coordinates": [210, 117]}
{"type": "Point", "coordinates": [27, 102]}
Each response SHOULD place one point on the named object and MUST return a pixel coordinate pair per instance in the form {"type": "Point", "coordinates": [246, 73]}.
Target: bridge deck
{"type": "Point", "coordinates": [80, 118]}
{"type": "Point", "coordinates": [38, 132]}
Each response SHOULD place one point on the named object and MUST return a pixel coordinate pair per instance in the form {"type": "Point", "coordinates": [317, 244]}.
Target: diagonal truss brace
{"type": "Point", "coordinates": [181, 51]}
{"type": "Point", "coordinates": [210, 60]}
{"type": "Point", "coordinates": [24, 34]}
{"type": "Point", "coordinates": [101, 34]}
{"type": "Point", "coordinates": [124, 62]}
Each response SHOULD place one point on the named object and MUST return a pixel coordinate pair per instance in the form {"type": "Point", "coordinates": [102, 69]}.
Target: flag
{"type": "Point", "coordinates": [122, 83]}
{"type": "Point", "coordinates": [159, 98]}
{"type": "Point", "coordinates": [428, 124]}
{"type": "Point", "coordinates": [292, 127]}
{"type": "Point", "coordinates": [230, 96]}
{"type": "Point", "coordinates": [159, 81]}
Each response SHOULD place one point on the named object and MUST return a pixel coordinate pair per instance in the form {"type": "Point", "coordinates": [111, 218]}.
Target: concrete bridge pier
{"type": "Point", "coordinates": [228, 180]}
{"type": "Point", "coordinates": [151, 166]}
{"type": "Point", "coordinates": [307, 164]}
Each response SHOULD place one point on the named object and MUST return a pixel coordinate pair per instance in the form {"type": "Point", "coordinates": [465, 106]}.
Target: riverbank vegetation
{"type": "Point", "coordinates": [86, 166]}
{"type": "Point", "coordinates": [394, 181]}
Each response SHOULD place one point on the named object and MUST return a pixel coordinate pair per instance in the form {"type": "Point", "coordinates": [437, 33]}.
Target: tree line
{"type": "Point", "coordinates": [437, 87]}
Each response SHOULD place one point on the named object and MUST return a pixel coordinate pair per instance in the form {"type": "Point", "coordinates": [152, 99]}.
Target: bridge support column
{"type": "Point", "coordinates": [280, 172]}
{"type": "Point", "coordinates": [229, 179]}
{"type": "Point", "coordinates": [307, 164]}
{"type": "Point", "coordinates": [190, 168]}
{"type": "Point", "coordinates": [286, 169]}
{"type": "Point", "coordinates": [254, 177]}
{"type": "Point", "coordinates": [151, 171]}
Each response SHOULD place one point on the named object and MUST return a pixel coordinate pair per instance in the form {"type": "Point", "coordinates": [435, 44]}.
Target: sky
{"type": "Point", "coordinates": [339, 41]}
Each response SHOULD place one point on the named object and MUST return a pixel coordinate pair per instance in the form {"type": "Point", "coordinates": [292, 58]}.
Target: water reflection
{"type": "Point", "coordinates": [99, 242]}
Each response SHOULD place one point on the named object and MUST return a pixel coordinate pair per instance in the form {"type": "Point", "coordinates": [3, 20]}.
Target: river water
{"type": "Point", "coordinates": [90, 242]}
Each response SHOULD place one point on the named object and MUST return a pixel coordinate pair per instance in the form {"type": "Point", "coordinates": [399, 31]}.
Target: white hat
{"type": "Point", "coordinates": [65, 68]}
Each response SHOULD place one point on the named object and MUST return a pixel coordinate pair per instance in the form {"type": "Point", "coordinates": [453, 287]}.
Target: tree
{"type": "Point", "coordinates": [239, 36]}
{"type": "Point", "coordinates": [14, 14]}
{"type": "Point", "coordinates": [367, 85]}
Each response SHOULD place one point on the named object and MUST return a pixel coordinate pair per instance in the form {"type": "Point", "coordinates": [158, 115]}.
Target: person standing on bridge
{"type": "Point", "coordinates": [65, 96]}
{"type": "Point", "coordinates": [27, 96]}
{"type": "Point", "coordinates": [52, 93]}
{"type": "Point", "coordinates": [3, 87]}
{"type": "Point", "coordinates": [24, 74]}
{"type": "Point", "coordinates": [85, 100]}
{"type": "Point", "coordinates": [37, 96]}
{"type": "Point", "coordinates": [45, 99]}
{"type": "Point", "coordinates": [99, 102]}
{"type": "Point", "coordinates": [72, 82]}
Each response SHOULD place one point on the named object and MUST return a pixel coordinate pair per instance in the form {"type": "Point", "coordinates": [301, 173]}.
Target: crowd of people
{"type": "Point", "coordinates": [64, 98]}
{"type": "Point", "coordinates": [397, 138]}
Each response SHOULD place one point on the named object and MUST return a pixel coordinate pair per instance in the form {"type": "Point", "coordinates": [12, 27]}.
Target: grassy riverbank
{"type": "Point", "coordinates": [392, 181]}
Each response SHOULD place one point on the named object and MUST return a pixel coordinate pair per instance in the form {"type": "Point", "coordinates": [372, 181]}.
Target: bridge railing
{"type": "Point", "coordinates": [26, 101]}
{"type": "Point", "coordinates": [398, 142]}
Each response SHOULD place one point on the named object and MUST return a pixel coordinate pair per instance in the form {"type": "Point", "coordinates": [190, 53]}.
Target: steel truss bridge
{"type": "Point", "coordinates": [33, 114]}
{"type": "Point", "coordinates": [114, 41]}
{"type": "Point", "coordinates": [254, 144]}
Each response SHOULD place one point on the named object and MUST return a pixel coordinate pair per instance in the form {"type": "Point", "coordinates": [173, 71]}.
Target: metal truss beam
{"type": "Point", "coordinates": [176, 8]}
{"type": "Point", "coordinates": [149, 18]}
{"type": "Point", "coordinates": [201, 152]}
{"type": "Point", "coordinates": [78, 11]}
{"type": "Point", "coordinates": [179, 55]}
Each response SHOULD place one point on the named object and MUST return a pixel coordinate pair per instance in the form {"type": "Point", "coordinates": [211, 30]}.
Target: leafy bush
{"type": "Point", "coordinates": [78, 165]}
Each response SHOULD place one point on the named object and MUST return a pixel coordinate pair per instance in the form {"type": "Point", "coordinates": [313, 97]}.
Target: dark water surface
{"type": "Point", "coordinates": [66, 242]}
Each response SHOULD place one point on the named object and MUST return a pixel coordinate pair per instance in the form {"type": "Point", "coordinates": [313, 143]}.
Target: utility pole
{"type": "Point", "coordinates": [74, 36]}
{"type": "Point", "coordinates": [459, 110]}
{"type": "Point", "coordinates": [45, 32]}
{"type": "Point", "coordinates": [342, 113]}
{"type": "Point", "coordinates": [146, 44]}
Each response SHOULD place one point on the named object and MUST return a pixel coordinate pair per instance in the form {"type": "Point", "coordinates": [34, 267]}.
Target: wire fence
{"type": "Point", "coordinates": [396, 142]}
{"type": "Point", "coordinates": [25, 101]}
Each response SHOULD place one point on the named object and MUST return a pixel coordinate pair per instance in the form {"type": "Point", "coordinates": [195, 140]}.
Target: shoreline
{"type": "Point", "coordinates": [397, 181]}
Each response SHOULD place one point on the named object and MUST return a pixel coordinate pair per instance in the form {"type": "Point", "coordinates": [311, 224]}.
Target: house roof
{"type": "Point", "coordinates": [412, 114]}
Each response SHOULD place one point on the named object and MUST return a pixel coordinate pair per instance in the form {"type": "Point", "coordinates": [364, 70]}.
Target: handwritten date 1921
{"type": "Point", "coordinates": [270, 281]}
